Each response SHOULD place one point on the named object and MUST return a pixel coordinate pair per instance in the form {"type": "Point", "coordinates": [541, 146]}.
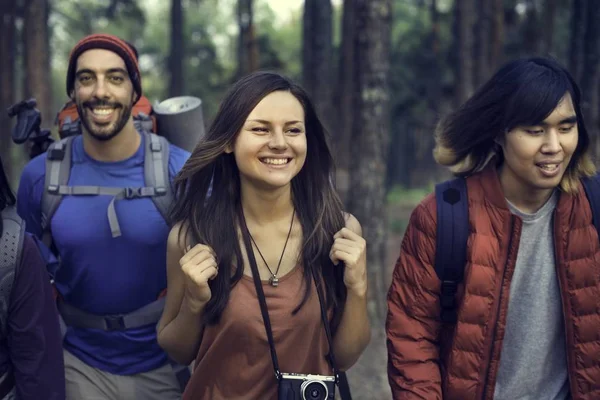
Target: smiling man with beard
{"type": "Point", "coordinates": [106, 274]}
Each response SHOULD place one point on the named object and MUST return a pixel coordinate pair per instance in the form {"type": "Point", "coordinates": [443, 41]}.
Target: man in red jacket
{"type": "Point", "coordinates": [528, 314]}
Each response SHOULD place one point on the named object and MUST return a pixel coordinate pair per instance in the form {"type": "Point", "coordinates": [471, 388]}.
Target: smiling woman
{"type": "Point", "coordinates": [268, 249]}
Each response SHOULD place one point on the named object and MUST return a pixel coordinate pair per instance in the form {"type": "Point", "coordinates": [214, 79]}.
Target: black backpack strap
{"type": "Point", "coordinates": [58, 170]}
{"type": "Point", "coordinates": [451, 242]}
{"type": "Point", "coordinates": [156, 172]}
{"type": "Point", "coordinates": [591, 186]}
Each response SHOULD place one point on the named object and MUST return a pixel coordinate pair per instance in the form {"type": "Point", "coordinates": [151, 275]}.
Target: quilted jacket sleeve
{"type": "Point", "coordinates": [412, 324]}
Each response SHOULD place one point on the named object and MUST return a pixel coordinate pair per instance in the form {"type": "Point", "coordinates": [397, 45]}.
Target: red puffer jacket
{"type": "Point", "coordinates": [426, 359]}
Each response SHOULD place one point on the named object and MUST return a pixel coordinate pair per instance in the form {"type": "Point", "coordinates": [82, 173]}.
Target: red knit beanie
{"type": "Point", "coordinates": [106, 42]}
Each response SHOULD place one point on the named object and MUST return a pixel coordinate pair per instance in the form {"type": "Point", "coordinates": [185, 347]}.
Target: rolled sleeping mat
{"type": "Point", "coordinates": [180, 120]}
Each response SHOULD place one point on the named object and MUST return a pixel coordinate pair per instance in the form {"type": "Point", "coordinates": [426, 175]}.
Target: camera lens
{"type": "Point", "coordinates": [314, 390]}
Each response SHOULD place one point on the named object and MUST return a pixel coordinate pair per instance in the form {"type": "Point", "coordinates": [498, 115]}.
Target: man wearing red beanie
{"type": "Point", "coordinates": [98, 200]}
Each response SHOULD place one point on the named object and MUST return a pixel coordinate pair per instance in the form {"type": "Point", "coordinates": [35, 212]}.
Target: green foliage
{"type": "Point", "coordinates": [400, 196]}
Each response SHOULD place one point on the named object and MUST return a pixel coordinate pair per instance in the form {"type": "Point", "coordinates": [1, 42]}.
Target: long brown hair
{"type": "Point", "coordinates": [211, 217]}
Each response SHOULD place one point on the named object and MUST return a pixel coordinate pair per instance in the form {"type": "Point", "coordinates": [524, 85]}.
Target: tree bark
{"type": "Point", "coordinates": [344, 96]}
{"type": "Point", "coordinates": [370, 137]}
{"type": "Point", "coordinates": [316, 55]}
{"type": "Point", "coordinates": [177, 51]}
{"type": "Point", "coordinates": [497, 45]}
{"type": "Point", "coordinates": [579, 11]}
{"type": "Point", "coordinates": [248, 59]}
{"type": "Point", "coordinates": [590, 79]}
{"type": "Point", "coordinates": [548, 16]}
{"type": "Point", "coordinates": [483, 27]}
{"type": "Point", "coordinates": [7, 78]}
{"type": "Point", "coordinates": [531, 32]}
{"type": "Point", "coordinates": [465, 21]}
{"type": "Point", "coordinates": [37, 58]}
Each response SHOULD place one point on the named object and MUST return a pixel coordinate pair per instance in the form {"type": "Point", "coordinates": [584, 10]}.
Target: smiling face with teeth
{"type": "Point", "coordinates": [536, 157]}
{"type": "Point", "coordinates": [270, 149]}
{"type": "Point", "coordinates": [103, 93]}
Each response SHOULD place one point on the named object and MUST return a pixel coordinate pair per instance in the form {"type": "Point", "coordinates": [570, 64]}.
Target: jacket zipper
{"type": "Point", "coordinates": [487, 371]}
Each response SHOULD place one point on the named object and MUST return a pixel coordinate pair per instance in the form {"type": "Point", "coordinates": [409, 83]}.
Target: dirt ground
{"type": "Point", "coordinates": [368, 378]}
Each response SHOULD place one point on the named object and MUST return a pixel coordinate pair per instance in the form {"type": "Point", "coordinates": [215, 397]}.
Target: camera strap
{"type": "Point", "coordinates": [263, 303]}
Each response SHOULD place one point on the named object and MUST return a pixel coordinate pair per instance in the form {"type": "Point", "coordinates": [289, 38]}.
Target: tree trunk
{"type": "Point", "coordinates": [465, 21]}
{"type": "Point", "coordinates": [497, 45]}
{"type": "Point", "coordinates": [579, 10]}
{"type": "Point", "coordinates": [316, 55]}
{"type": "Point", "coordinates": [548, 16]}
{"type": "Point", "coordinates": [344, 102]}
{"type": "Point", "coordinates": [370, 137]}
{"type": "Point", "coordinates": [7, 78]}
{"type": "Point", "coordinates": [590, 79]}
{"type": "Point", "coordinates": [37, 58]}
{"type": "Point", "coordinates": [177, 52]}
{"type": "Point", "coordinates": [247, 43]}
{"type": "Point", "coordinates": [531, 33]}
{"type": "Point", "coordinates": [483, 26]}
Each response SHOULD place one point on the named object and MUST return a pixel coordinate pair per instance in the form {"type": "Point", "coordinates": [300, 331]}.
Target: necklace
{"type": "Point", "coordinates": [274, 280]}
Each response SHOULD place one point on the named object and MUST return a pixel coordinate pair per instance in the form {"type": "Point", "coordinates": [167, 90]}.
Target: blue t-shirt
{"type": "Point", "coordinates": [98, 273]}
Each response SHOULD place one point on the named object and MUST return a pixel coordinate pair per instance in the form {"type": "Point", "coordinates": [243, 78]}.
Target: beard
{"type": "Point", "coordinates": [108, 131]}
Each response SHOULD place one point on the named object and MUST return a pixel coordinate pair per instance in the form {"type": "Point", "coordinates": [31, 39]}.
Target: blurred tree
{"type": "Point", "coordinates": [497, 44]}
{"type": "Point", "coordinates": [464, 28]}
{"type": "Point", "coordinates": [482, 41]}
{"type": "Point", "coordinates": [317, 56]}
{"type": "Point", "coordinates": [370, 137]}
{"type": "Point", "coordinates": [177, 50]}
{"type": "Point", "coordinates": [344, 97]}
{"type": "Point", "coordinates": [577, 42]}
{"type": "Point", "coordinates": [247, 46]}
{"type": "Point", "coordinates": [548, 27]}
{"type": "Point", "coordinates": [36, 43]}
{"type": "Point", "coordinates": [590, 79]}
{"type": "Point", "coordinates": [7, 78]}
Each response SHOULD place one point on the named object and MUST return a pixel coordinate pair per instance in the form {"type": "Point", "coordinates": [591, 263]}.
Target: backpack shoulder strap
{"type": "Point", "coordinates": [451, 241]}
{"type": "Point", "coordinates": [591, 186]}
{"type": "Point", "coordinates": [58, 170]}
{"type": "Point", "coordinates": [156, 172]}
{"type": "Point", "coordinates": [11, 243]}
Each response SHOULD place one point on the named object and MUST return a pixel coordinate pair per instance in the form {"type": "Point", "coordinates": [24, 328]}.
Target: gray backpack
{"type": "Point", "coordinates": [11, 253]}
{"type": "Point", "coordinates": [157, 187]}
{"type": "Point", "coordinates": [58, 169]}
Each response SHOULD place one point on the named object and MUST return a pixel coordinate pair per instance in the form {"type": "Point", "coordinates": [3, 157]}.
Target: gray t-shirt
{"type": "Point", "coordinates": [533, 362]}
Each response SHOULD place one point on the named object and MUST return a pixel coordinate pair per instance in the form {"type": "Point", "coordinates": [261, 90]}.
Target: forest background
{"type": "Point", "coordinates": [381, 73]}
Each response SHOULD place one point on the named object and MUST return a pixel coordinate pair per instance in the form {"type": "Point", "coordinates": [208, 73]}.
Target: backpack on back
{"type": "Point", "coordinates": [58, 169]}
{"type": "Point", "coordinates": [452, 233]}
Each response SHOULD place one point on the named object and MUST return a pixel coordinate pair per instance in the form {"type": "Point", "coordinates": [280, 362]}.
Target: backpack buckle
{"type": "Point", "coordinates": [131, 193]}
{"type": "Point", "coordinates": [160, 191]}
{"type": "Point", "coordinates": [155, 146]}
{"type": "Point", "coordinates": [53, 189]}
{"type": "Point", "coordinates": [114, 323]}
{"type": "Point", "coordinates": [56, 154]}
{"type": "Point", "coordinates": [447, 298]}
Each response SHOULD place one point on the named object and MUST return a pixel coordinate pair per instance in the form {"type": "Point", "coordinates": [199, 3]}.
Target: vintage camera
{"type": "Point", "coordinates": [306, 387]}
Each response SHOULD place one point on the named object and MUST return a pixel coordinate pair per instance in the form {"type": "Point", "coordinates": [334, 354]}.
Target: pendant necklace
{"type": "Point", "coordinates": [274, 280]}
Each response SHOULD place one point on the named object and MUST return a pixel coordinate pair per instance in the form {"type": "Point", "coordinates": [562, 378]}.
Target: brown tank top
{"type": "Point", "coordinates": [234, 361]}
